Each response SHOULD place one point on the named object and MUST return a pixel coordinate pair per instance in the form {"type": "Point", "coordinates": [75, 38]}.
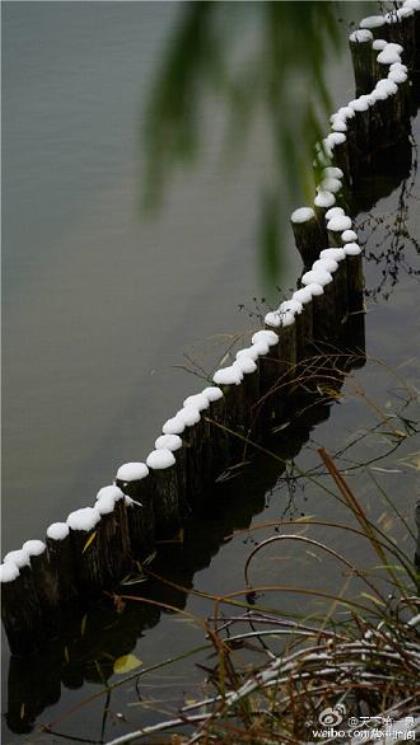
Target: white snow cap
{"type": "Point", "coordinates": [388, 56]}
{"type": "Point", "coordinates": [360, 104]}
{"type": "Point", "coordinates": [333, 212]}
{"type": "Point", "coordinates": [339, 124]}
{"type": "Point", "coordinates": [272, 319]}
{"type": "Point", "coordinates": [293, 305]}
{"type": "Point", "coordinates": [58, 531]}
{"type": "Point", "coordinates": [324, 199]}
{"type": "Point", "coordinates": [174, 426]}
{"type": "Point", "coordinates": [414, 4]}
{"type": "Point", "coordinates": [348, 236]}
{"type": "Point", "coordinates": [315, 289]}
{"type": "Point", "coordinates": [132, 472]}
{"type": "Point", "coordinates": [168, 442]}
{"type": "Point", "coordinates": [303, 295]}
{"type": "Point", "coordinates": [266, 336]}
{"type": "Point", "coordinates": [20, 558]}
{"type": "Point", "coordinates": [110, 492]}
{"type": "Point", "coordinates": [84, 519]}
{"type": "Point", "coordinates": [212, 393]}
{"type": "Point", "coordinates": [334, 171]}
{"type": "Point", "coordinates": [228, 376]}
{"type": "Point", "coordinates": [352, 249]}
{"type": "Point", "coordinates": [8, 572]}
{"type": "Point", "coordinates": [379, 44]}
{"type": "Point", "coordinates": [245, 364]}
{"type": "Point", "coordinates": [388, 86]}
{"type": "Point", "coordinates": [335, 138]}
{"type": "Point", "coordinates": [372, 22]}
{"type": "Point", "coordinates": [302, 214]}
{"type": "Point", "coordinates": [259, 349]}
{"type": "Point", "coordinates": [287, 318]}
{"type": "Point", "coordinates": [399, 65]}
{"type": "Point", "coordinates": [34, 547]}
{"type": "Point", "coordinates": [339, 223]}
{"type": "Point", "coordinates": [333, 185]}
{"type": "Point", "coordinates": [397, 76]}
{"type": "Point", "coordinates": [361, 35]}
{"type": "Point", "coordinates": [106, 499]}
{"type": "Point", "coordinates": [197, 401]}
{"type": "Point", "coordinates": [319, 277]}
{"type": "Point", "coordinates": [189, 415]}
{"type": "Point", "coordinates": [406, 11]}
{"type": "Point", "coordinates": [160, 459]}
{"type": "Point", "coordinates": [327, 265]}
{"type": "Point", "coordinates": [337, 254]}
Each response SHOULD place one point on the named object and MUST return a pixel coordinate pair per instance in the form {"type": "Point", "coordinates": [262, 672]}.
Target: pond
{"type": "Point", "coordinates": [103, 312]}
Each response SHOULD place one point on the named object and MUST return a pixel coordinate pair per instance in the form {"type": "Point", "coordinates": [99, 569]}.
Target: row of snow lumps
{"type": "Point", "coordinates": [356, 129]}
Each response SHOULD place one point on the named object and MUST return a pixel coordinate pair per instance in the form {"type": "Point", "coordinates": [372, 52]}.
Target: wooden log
{"type": "Point", "coordinates": [134, 480]}
{"type": "Point", "coordinates": [360, 42]}
{"type": "Point", "coordinates": [175, 444]}
{"type": "Point", "coordinates": [162, 466]}
{"type": "Point", "coordinates": [114, 534]}
{"type": "Point", "coordinates": [340, 280]}
{"type": "Point", "coordinates": [84, 527]}
{"type": "Point", "coordinates": [325, 327]}
{"type": "Point", "coordinates": [229, 379]}
{"type": "Point", "coordinates": [402, 30]}
{"type": "Point", "coordinates": [308, 234]}
{"type": "Point", "coordinates": [398, 75]}
{"type": "Point", "coordinates": [60, 554]}
{"type": "Point", "coordinates": [215, 418]}
{"type": "Point", "coordinates": [21, 610]}
{"type": "Point", "coordinates": [188, 424]}
{"type": "Point", "coordinates": [337, 147]}
{"type": "Point", "coordinates": [362, 129]}
{"type": "Point", "coordinates": [323, 201]}
{"type": "Point", "coordinates": [45, 581]}
{"type": "Point", "coordinates": [295, 307]}
{"type": "Point", "coordinates": [304, 296]}
{"type": "Point", "coordinates": [355, 276]}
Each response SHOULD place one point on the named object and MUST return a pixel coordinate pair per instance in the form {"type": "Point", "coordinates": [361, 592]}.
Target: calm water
{"type": "Point", "coordinates": [100, 304]}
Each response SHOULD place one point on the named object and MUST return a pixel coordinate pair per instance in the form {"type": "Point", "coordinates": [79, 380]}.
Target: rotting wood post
{"type": "Point", "coordinates": [175, 445]}
{"type": "Point", "coordinates": [60, 554]}
{"type": "Point", "coordinates": [338, 147]}
{"type": "Point", "coordinates": [85, 528]}
{"type": "Point", "coordinates": [355, 276]}
{"type": "Point", "coordinates": [45, 581]}
{"type": "Point", "coordinates": [360, 42]}
{"type": "Point", "coordinates": [323, 201]}
{"type": "Point", "coordinates": [307, 232]}
{"type": "Point", "coordinates": [323, 301]}
{"type": "Point", "coordinates": [162, 467]}
{"type": "Point", "coordinates": [21, 610]}
{"type": "Point", "coordinates": [215, 418]}
{"type": "Point", "coordinates": [189, 425]}
{"type": "Point", "coordinates": [340, 280]}
{"type": "Point", "coordinates": [134, 480]}
{"type": "Point", "coordinates": [114, 535]}
{"type": "Point", "coordinates": [304, 296]}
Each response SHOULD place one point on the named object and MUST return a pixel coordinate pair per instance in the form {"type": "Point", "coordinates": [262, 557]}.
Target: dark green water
{"type": "Point", "coordinates": [100, 304]}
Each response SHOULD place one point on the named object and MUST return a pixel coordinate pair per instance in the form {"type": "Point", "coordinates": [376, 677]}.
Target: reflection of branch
{"type": "Point", "coordinates": [394, 234]}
